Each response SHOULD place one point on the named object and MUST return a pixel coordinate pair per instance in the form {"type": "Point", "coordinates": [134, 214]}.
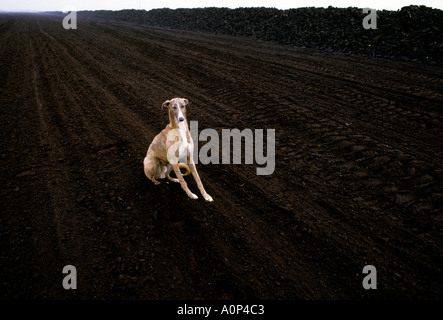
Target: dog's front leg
{"type": "Point", "coordinates": [182, 181]}
{"type": "Point", "coordinates": [199, 183]}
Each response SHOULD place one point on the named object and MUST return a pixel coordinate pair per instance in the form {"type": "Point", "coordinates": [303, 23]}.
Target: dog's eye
{"type": "Point", "coordinates": [174, 108]}
{"type": "Point", "coordinates": [182, 107]}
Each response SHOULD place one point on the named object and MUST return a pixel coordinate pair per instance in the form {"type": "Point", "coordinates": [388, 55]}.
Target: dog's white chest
{"type": "Point", "coordinates": [180, 145]}
{"type": "Point", "coordinates": [184, 147]}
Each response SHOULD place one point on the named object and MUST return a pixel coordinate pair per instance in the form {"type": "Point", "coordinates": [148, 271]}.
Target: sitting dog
{"type": "Point", "coordinates": [171, 147]}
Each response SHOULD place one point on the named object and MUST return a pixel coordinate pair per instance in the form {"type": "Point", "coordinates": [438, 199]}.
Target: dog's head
{"type": "Point", "coordinates": [177, 108]}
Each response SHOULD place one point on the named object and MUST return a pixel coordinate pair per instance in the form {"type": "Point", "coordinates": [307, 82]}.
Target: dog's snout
{"type": "Point", "coordinates": [181, 119]}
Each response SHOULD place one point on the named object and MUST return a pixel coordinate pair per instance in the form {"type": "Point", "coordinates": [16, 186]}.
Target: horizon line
{"type": "Point", "coordinates": [221, 7]}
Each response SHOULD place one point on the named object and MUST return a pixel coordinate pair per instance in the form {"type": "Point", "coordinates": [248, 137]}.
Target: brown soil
{"type": "Point", "coordinates": [358, 176]}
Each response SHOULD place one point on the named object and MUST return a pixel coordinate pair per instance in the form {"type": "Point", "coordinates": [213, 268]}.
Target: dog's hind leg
{"type": "Point", "coordinates": [150, 168]}
{"type": "Point", "coordinates": [151, 176]}
{"type": "Point", "coordinates": [165, 170]}
{"type": "Point", "coordinates": [169, 177]}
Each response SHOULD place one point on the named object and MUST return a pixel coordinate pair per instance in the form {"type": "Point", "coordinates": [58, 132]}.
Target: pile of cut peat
{"type": "Point", "coordinates": [413, 33]}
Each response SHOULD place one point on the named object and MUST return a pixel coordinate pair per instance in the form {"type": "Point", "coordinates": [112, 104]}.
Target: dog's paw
{"type": "Point", "coordinates": [193, 196]}
{"type": "Point", "coordinates": [208, 197]}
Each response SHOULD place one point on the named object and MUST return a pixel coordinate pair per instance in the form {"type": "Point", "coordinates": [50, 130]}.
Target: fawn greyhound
{"type": "Point", "coordinates": [173, 144]}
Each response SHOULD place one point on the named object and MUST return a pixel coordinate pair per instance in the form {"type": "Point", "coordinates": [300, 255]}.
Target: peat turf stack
{"type": "Point", "coordinates": [412, 33]}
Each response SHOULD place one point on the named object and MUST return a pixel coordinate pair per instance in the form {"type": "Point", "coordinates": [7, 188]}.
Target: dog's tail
{"type": "Point", "coordinates": [180, 165]}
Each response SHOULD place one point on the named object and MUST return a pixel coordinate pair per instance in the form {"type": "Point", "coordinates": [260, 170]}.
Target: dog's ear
{"type": "Point", "coordinates": [166, 104]}
{"type": "Point", "coordinates": [186, 101]}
